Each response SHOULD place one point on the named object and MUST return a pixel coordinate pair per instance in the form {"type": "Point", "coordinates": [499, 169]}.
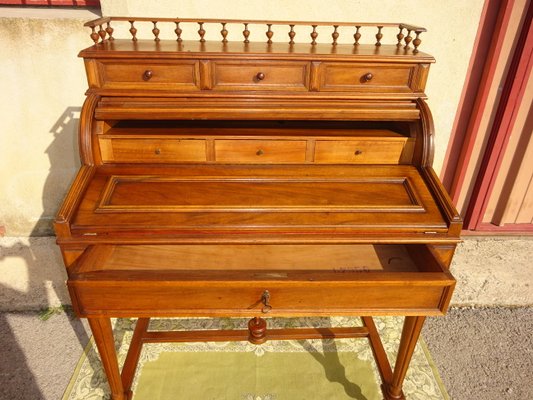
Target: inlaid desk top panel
{"type": "Point", "coordinates": [288, 199]}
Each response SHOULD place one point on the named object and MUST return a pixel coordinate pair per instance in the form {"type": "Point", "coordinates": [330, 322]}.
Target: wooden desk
{"type": "Point", "coordinates": [256, 179]}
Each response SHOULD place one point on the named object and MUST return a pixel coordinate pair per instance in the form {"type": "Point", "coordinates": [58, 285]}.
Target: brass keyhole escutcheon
{"type": "Point", "coordinates": [260, 152]}
{"type": "Point", "coordinates": [265, 299]}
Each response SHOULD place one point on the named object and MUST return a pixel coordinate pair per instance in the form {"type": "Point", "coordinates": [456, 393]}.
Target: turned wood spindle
{"type": "Point", "coordinates": [292, 34]}
{"type": "Point", "coordinates": [379, 36]}
{"type": "Point", "coordinates": [109, 31]}
{"type": "Point", "coordinates": [335, 35]}
{"type": "Point", "coordinates": [269, 34]}
{"type": "Point", "coordinates": [407, 39]}
{"type": "Point", "coordinates": [224, 32]}
{"type": "Point", "coordinates": [178, 31]}
{"type": "Point", "coordinates": [399, 36]}
{"type": "Point", "coordinates": [417, 41]}
{"type": "Point", "coordinates": [201, 31]}
{"type": "Point", "coordinates": [257, 328]}
{"type": "Point", "coordinates": [246, 33]}
{"type": "Point", "coordinates": [357, 34]}
{"type": "Point", "coordinates": [156, 31]}
{"type": "Point", "coordinates": [102, 33]}
{"type": "Point", "coordinates": [133, 31]}
{"type": "Point", "coordinates": [94, 36]}
{"type": "Point", "coordinates": [314, 35]}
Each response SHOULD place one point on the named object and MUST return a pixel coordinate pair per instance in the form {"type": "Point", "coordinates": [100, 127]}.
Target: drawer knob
{"type": "Point", "coordinates": [260, 152]}
{"type": "Point", "coordinates": [157, 151]}
{"type": "Point", "coordinates": [358, 152]}
{"type": "Point", "coordinates": [265, 299]}
{"type": "Point", "coordinates": [148, 74]}
{"type": "Point", "coordinates": [260, 76]}
{"type": "Point", "coordinates": [368, 77]}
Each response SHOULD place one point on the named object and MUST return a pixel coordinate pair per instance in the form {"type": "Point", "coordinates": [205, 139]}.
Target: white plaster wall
{"type": "Point", "coordinates": [43, 81]}
{"type": "Point", "coordinates": [43, 85]}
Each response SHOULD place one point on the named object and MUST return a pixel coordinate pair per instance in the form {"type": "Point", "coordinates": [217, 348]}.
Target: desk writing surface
{"type": "Point", "coordinates": [258, 198]}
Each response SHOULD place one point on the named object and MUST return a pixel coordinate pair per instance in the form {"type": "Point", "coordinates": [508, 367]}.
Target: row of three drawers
{"type": "Point", "coordinates": [263, 75]}
{"type": "Point", "coordinates": [389, 150]}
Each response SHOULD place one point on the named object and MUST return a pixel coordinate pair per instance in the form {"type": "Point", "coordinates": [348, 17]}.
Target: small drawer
{"type": "Point", "coordinates": [372, 78]}
{"type": "Point", "coordinates": [288, 76]}
{"type": "Point", "coordinates": [359, 151]}
{"type": "Point", "coordinates": [152, 150]}
{"type": "Point", "coordinates": [260, 151]}
{"type": "Point", "coordinates": [183, 75]}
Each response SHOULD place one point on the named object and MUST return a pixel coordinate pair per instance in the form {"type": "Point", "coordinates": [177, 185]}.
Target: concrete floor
{"type": "Point", "coordinates": [483, 348]}
{"type": "Point", "coordinates": [484, 353]}
{"type": "Point", "coordinates": [481, 353]}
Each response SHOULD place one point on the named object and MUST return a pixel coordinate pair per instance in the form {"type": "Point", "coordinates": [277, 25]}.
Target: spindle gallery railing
{"type": "Point", "coordinates": [102, 29]}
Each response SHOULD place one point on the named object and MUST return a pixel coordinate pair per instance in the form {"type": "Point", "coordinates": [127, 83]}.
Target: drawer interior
{"type": "Point", "coordinates": [331, 259]}
{"type": "Point", "coordinates": [257, 127]}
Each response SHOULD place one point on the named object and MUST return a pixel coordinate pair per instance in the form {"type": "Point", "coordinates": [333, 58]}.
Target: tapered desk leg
{"type": "Point", "coordinates": [410, 333]}
{"type": "Point", "coordinates": [134, 352]}
{"type": "Point", "coordinates": [103, 336]}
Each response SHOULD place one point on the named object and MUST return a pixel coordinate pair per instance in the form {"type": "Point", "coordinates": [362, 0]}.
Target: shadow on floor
{"type": "Point", "coordinates": [33, 272]}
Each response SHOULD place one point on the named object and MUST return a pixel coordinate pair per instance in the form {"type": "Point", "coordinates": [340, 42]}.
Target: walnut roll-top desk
{"type": "Point", "coordinates": [252, 170]}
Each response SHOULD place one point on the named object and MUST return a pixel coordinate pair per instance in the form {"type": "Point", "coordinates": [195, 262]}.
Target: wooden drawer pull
{"type": "Point", "coordinates": [367, 77]}
{"type": "Point", "coordinates": [357, 152]}
{"type": "Point", "coordinates": [265, 299]}
{"type": "Point", "coordinates": [260, 76]}
{"type": "Point", "coordinates": [260, 152]}
{"type": "Point", "coordinates": [157, 151]}
{"type": "Point", "coordinates": [148, 74]}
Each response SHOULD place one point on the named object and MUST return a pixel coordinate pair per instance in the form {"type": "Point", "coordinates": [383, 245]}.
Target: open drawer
{"type": "Point", "coordinates": [251, 280]}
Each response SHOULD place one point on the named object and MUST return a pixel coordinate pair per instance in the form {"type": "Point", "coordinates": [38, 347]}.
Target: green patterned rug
{"type": "Point", "coordinates": [276, 370]}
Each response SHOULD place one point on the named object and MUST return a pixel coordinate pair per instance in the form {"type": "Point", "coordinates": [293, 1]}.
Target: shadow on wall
{"type": "Point", "coordinates": [32, 275]}
{"type": "Point", "coordinates": [64, 162]}
{"type": "Point", "coordinates": [506, 210]}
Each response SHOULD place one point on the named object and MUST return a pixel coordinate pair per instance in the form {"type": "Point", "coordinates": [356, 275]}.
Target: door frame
{"type": "Point", "coordinates": [485, 58]}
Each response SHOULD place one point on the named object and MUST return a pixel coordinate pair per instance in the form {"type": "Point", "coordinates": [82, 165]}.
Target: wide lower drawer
{"type": "Point", "coordinates": [346, 279]}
